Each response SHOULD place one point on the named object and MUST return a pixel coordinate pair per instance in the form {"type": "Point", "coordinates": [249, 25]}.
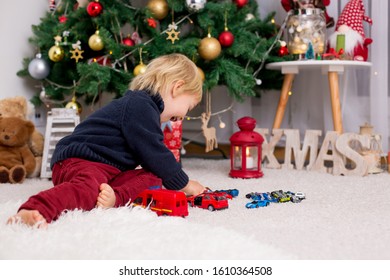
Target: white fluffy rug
{"type": "Point", "coordinates": [342, 218]}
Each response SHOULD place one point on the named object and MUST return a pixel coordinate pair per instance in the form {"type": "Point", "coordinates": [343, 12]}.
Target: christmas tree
{"type": "Point", "coordinates": [85, 48]}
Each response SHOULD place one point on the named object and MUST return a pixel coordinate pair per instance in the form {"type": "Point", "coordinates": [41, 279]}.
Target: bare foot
{"type": "Point", "coordinates": [106, 198]}
{"type": "Point", "coordinates": [29, 217]}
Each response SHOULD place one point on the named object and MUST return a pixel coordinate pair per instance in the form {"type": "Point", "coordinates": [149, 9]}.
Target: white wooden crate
{"type": "Point", "coordinates": [60, 123]}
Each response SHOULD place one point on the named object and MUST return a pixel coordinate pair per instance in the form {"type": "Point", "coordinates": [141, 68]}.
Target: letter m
{"type": "Point", "coordinates": [293, 146]}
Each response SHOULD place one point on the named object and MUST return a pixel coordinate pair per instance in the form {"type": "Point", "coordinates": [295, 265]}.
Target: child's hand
{"type": "Point", "coordinates": [193, 188]}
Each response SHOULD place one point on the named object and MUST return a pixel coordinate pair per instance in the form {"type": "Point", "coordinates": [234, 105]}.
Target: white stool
{"type": "Point", "coordinates": [60, 123]}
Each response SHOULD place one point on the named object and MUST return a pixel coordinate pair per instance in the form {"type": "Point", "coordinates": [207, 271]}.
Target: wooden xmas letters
{"type": "Point", "coordinates": [335, 156]}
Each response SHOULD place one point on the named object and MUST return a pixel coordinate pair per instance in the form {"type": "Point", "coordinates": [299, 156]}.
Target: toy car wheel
{"type": "Point", "coordinates": [211, 208]}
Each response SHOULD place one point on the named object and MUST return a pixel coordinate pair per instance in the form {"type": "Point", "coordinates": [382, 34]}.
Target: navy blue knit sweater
{"type": "Point", "coordinates": [125, 133]}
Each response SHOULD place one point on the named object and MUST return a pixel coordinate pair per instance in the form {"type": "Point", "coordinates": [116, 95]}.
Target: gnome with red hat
{"type": "Point", "coordinates": [350, 23]}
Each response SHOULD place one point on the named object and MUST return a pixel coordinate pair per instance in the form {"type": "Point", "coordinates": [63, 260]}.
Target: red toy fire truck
{"type": "Point", "coordinates": [163, 202]}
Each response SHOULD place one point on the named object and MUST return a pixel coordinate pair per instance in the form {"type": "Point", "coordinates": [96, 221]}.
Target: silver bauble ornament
{"type": "Point", "coordinates": [39, 68]}
{"type": "Point", "coordinates": [195, 5]}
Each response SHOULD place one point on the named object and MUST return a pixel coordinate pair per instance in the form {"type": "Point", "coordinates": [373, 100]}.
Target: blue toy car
{"type": "Point", "coordinates": [253, 195]}
{"type": "Point", "coordinates": [268, 197]}
{"type": "Point", "coordinates": [232, 192]}
{"type": "Point", "coordinates": [257, 204]}
{"type": "Point", "coordinates": [261, 196]}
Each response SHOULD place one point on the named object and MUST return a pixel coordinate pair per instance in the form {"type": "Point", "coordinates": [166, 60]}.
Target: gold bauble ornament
{"type": "Point", "coordinates": [95, 42]}
{"type": "Point", "coordinates": [56, 53]}
{"type": "Point", "coordinates": [158, 8]}
{"type": "Point", "coordinates": [73, 104]}
{"type": "Point", "coordinates": [139, 69]}
{"type": "Point", "coordinates": [202, 75]}
{"type": "Point", "coordinates": [209, 48]}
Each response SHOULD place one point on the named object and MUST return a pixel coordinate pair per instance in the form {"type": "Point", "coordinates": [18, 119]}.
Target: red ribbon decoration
{"type": "Point", "coordinates": [152, 22]}
{"type": "Point", "coordinates": [332, 52]}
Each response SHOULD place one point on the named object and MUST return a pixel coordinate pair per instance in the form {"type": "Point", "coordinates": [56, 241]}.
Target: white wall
{"type": "Point", "coordinates": [16, 19]}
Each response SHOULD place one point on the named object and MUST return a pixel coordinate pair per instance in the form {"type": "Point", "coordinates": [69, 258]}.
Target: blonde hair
{"type": "Point", "coordinates": [165, 70]}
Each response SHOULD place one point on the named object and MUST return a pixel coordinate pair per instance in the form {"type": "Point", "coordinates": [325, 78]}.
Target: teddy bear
{"type": "Point", "coordinates": [16, 159]}
{"type": "Point", "coordinates": [18, 107]}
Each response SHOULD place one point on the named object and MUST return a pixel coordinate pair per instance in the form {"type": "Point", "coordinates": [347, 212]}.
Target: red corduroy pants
{"type": "Point", "coordinates": [76, 186]}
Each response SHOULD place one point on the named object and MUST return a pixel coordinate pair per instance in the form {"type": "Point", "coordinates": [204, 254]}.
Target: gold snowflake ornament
{"type": "Point", "coordinates": [173, 35]}
{"type": "Point", "coordinates": [76, 54]}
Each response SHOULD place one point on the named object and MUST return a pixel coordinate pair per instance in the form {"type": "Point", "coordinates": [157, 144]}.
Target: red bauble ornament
{"type": "Point", "coordinates": [240, 3]}
{"type": "Point", "coordinates": [283, 51]}
{"type": "Point", "coordinates": [62, 19]}
{"type": "Point", "coordinates": [128, 42]}
{"type": "Point", "coordinates": [226, 38]}
{"type": "Point", "coordinates": [94, 9]}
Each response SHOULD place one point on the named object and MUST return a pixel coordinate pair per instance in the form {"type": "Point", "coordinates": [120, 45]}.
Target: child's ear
{"type": "Point", "coordinates": [177, 88]}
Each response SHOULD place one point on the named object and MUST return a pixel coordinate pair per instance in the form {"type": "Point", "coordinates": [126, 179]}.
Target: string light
{"type": "Point", "coordinates": [152, 39]}
{"type": "Point", "coordinates": [277, 38]}
{"type": "Point", "coordinates": [188, 118]}
{"type": "Point", "coordinates": [221, 123]}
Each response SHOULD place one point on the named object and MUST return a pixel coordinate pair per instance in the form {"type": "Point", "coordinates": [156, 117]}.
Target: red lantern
{"type": "Point", "coordinates": [245, 153]}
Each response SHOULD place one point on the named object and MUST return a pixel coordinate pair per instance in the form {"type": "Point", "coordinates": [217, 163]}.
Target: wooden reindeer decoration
{"type": "Point", "coordinates": [209, 133]}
